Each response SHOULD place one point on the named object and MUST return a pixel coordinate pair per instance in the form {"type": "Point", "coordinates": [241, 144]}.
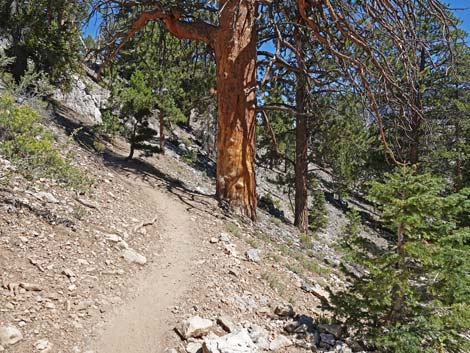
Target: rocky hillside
{"type": "Point", "coordinates": [143, 260]}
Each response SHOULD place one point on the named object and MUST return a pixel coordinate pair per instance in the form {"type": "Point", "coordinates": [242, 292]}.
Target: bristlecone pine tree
{"type": "Point", "coordinates": [415, 293]}
{"type": "Point", "coordinates": [234, 42]}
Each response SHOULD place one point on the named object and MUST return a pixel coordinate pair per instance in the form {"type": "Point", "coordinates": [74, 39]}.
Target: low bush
{"type": "Point", "coordinates": [31, 147]}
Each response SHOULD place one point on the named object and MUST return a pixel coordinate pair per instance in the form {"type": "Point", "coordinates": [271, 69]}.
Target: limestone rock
{"type": "Point", "coordinates": [9, 335]}
{"type": "Point", "coordinates": [132, 256]}
{"type": "Point", "coordinates": [279, 342]}
{"type": "Point", "coordinates": [253, 255]}
{"type": "Point", "coordinates": [43, 346]}
{"type": "Point", "coordinates": [196, 326]}
{"type": "Point", "coordinates": [85, 98]}
{"type": "Point", "coordinates": [226, 323]}
{"type": "Point", "coordinates": [194, 347]}
{"type": "Point", "coordinates": [236, 342]}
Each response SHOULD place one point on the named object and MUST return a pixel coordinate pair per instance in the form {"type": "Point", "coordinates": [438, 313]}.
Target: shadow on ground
{"type": "Point", "coordinates": [85, 135]}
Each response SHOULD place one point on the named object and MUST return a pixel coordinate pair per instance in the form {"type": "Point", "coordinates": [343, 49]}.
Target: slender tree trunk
{"type": "Point", "coordinates": [301, 163]}
{"type": "Point", "coordinates": [416, 118]}
{"type": "Point", "coordinates": [162, 133]}
{"type": "Point", "coordinates": [235, 50]}
{"type": "Point", "coordinates": [131, 152]}
{"type": "Point", "coordinates": [301, 142]}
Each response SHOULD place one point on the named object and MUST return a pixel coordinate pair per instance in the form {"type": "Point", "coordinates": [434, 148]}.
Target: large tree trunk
{"type": "Point", "coordinates": [234, 42]}
{"type": "Point", "coordinates": [235, 50]}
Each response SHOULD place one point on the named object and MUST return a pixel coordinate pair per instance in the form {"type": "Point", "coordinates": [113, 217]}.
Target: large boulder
{"type": "Point", "coordinates": [85, 98]}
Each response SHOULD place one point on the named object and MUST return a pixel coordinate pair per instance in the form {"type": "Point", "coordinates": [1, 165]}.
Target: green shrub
{"type": "Point", "coordinates": [31, 147]}
{"type": "Point", "coordinates": [305, 239]}
{"type": "Point", "coordinates": [318, 215]}
{"type": "Point", "coordinates": [414, 294]}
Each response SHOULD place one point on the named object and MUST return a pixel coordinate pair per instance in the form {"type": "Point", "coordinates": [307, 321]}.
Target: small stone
{"type": "Point", "coordinates": [284, 311]}
{"type": "Point", "coordinates": [84, 305]}
{"type": "Point", "coordinates": [30, 287]}
{"type": "Point", "coordinates": [50, 305]}
{"type": "Point", "coordinates": [196, 327]}
{"type": "Point", "coordinates": [253, 255]}
{"type": "Point", "coordinates": [132, 256]}
{"type": "Point", "coordinates": [327, 338]}
{"type": "Point", "coordinates": [213, 240]}
{"type": "Point", "coordinates": [9, 335]}
{"type": "Point", "coordinates": [69, 273]}
{"type": "Point", "coordinates": [223, 237]}
{"type": "Point", "coordinates": [122, 245]}
{"type": "Point", "coordinates": [226, 323]}
{"type": "Point", "coordinates": [230, 249]}
{"type": "Point", "coordinates": [194, 347]}
{"type": "Point", "coordinates": [317, 291]}
{"type": "Point", "coordinates": [234, 272]}
{"type": "Point", "coordinates": [83, 262]}
{"type": "Point", "coordinates": [46, 196]}
{"type": "Point", "coordinates": [279, 342]}
{"type": "Point", "coordinates": [43, 345]}
{"type": "Point", "coordinates": [114, 238]}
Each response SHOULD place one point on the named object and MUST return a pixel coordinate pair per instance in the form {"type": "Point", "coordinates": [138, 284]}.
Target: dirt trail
{"type": "Point", "coordinates": [141, 323]}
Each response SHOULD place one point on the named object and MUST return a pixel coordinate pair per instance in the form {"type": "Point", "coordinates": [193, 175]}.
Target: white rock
{"type": "Point", "coordinates": [279, 342]}
{"type": "Point", "coordinates": [236, 342]}
{"type": "Point", "coordinates": [132, 256]}
{"type": "Point", "coordinates": [253, 255]}
{"type": "Point", "coordinates": [46, 197]}
{"type": "Point", "coordinates": [196, 326]}
{"type": "Point", "coordinates": [114, 238]}
{"type": "Point", "coordinates": [9, 335]}
{"type": "Point", "coordinates": [193, 347]}
{"type": "Point", "coordinates": [226, 323]}
{"type": "Point", "coordinates": [43, 345]}
{"type": "Point", "coordinates": [224, 237]}
{"type": "Point", "coordinates": [84, 99]}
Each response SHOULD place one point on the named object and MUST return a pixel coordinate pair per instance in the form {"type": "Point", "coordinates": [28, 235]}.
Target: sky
{"type": "Point", "coordinates": [462, 11]}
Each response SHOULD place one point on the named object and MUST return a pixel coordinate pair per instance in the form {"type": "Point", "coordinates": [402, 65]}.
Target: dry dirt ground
{"type": "Point", "coordinates": [67, 285]}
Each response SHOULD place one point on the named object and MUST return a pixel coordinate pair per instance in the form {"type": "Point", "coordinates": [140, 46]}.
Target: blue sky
{"type": "Point", "coordinates": [463, 13]}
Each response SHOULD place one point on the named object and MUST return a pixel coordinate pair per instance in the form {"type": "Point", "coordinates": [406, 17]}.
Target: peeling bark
{"type": "Point", "coordinates": [235, 50]}
{"type": "Point", "coordinates": [234, 43]}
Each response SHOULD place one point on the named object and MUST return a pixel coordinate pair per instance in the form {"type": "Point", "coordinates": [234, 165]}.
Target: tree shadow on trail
{"type": "Point", "coordinates": [86, 136]}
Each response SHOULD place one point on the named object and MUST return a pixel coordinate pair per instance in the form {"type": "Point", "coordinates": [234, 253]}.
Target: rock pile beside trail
{"type": "Point", "coordinates": [284, 329]}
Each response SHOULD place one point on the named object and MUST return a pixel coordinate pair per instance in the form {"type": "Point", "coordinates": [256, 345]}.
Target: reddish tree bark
{"type": "Point", "coordinates": [234, 43]}
{"type": "Point", "coordinates": [235, 50]}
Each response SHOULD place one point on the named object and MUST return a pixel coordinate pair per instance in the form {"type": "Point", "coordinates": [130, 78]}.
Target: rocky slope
{"type": "Point", "coordinates": [145, 261]}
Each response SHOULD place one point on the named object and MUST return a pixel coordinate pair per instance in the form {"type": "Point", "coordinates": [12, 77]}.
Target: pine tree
{"type": "Point", "coordinates": [415, 292]}
{"type": "Point", "coordinates": [45, 32]}
{"type": "Point", "coordinates": [138, 103]}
